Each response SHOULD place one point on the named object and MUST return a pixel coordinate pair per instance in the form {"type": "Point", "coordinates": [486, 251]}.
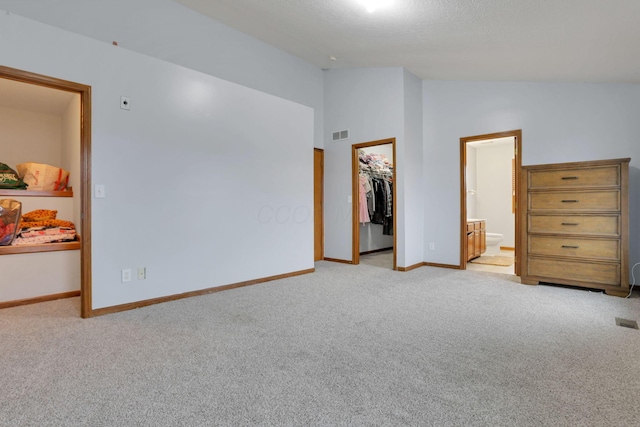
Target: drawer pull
{"type": "Point", "coordinates": [570, 201]}
{"type": "Point", "coordinates": [570, 223]}
{"type": "Point", "coordinates": [570, 247]}
{"type": "Point", "coordinates": [569, 177]}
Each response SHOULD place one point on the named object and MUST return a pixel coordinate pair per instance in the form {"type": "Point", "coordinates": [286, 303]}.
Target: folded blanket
{"type": "Point", "coordinates": [36, 236]}
{"type": "Point", "coordinates": [49, 223]}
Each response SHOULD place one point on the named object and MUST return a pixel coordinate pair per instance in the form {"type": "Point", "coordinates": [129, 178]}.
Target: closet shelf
{"type": "Point", "coordinates": [45, 247]}
{"type": "Point", "coordinates": [36, 193]}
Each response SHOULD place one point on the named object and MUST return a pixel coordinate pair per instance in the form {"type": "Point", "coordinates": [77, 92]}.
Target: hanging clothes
{"type": "Point", "coordinates": [363, 213]}
{"type": "Point", "coordinates": [387, 226]}
{"type": "Point", "coordinates": [376, 183]}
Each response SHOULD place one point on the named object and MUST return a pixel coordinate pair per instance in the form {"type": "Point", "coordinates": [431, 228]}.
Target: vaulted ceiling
{"type": "Point", "coordinates": [520, 40]}
{"type": "Point", "coordinates": [497, 40]}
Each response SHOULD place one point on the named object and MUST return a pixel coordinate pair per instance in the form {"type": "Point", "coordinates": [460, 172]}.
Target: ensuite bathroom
{"type": "Point", "coordinates": [490, 183]}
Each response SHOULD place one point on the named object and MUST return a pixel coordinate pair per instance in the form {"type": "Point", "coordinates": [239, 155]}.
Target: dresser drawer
{"type": "Point", "coordinates": [603, 225]}
{"type": "Point", "coordinates": [575, 178]}
{"type": "Point", "coordinates": [579, 271]}
{"type": "Point", "coordinates": [605, 249]}
{"type": "Point", "coordinates": [604, 200]}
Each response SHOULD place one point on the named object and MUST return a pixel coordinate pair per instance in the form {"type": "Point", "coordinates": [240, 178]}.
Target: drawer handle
{"type": "Point", "coordinates": [570, 177]}
{"type": "Point", "coordinates": [570, 201]}
{"type": "Point", "coordinates": [570, 247]}
{"type": "Point", "coordinates": [570, 223]}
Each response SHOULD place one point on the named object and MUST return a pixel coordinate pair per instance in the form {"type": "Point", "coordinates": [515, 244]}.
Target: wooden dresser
{"type": "Point", "coordinates": [575, 226]}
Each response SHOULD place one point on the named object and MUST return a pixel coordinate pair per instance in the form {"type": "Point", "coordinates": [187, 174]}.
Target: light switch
{"type": "Point", "coordinates": [100, 192]}
{"type": "Point", "coordinates": [349, 199]}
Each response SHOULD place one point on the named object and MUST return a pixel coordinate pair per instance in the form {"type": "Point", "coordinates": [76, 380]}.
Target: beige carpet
{"type": "Point", "coordinates": [345, 346]}
{"type": "Point", "coordinates": [504, 261]}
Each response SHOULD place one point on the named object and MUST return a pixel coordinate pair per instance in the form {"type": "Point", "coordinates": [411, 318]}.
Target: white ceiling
{"type": "Point", "coordinates": [499, 40]}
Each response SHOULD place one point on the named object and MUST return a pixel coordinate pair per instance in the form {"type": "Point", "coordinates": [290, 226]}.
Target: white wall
{"type": "Point", "coordinates": [167, 30]}
{"type": "Point", "coordinates": [410, 183]}
{"type": "Point", "coordinates": [70, 152]}
{"type": "Point", "coordinates": [374, 104]}
{"type": "Point", "coordinates": [38, 142]}
{"type": "Point", "coordinates": [369, 103]}
{"type": "Point", "coordinates": [207, 182]}
{"type": "Point", "coordinates": [494, 190]}
{"type": "Point", "coordinates": [561, 122]}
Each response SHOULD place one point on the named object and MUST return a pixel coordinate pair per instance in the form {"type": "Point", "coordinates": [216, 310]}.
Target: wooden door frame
{"type": "Point", "coordinates": [355, 199]}
{"type": "Point", "coordinates": [85, 169]}
{"type": "Point", "coordinates": [517, 134]}
{"type": "Point", "coordinates": [315, 237]}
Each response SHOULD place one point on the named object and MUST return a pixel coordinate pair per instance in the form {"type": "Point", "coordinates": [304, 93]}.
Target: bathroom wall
{"type": "Point", "coordinates": [472, 183]}
{"type": "Point", "coordinates": [493, 198]}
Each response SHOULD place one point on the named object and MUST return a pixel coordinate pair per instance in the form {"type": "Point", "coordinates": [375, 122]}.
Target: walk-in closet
{"type": "Point", "coordinates": [375, 204]}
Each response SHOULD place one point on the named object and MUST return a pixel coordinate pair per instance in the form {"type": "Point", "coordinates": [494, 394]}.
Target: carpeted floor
{"type": "Point", "coordinates": [345, 346]}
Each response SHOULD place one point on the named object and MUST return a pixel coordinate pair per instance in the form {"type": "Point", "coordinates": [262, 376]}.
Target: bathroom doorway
{"type": "Point", "coordinates": [489, 232]}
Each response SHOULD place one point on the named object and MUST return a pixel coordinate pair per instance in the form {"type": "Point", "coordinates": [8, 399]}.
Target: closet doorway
{"type": "Point", "coordinates": [374, 217]}
{"type": "Point", "coordinates": [489, 224]}
{"type": "Point", "coordinates": [36, 101]}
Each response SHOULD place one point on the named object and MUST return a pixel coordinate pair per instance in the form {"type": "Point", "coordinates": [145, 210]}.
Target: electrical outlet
{"type": "Point", "coordinates": [432, 246]}
{"type": "Point", "coordinates": [126, 275]}
{"type": "Point", "coordinates": [142, 273]}
{"type": "Point", "coordinates": [100, 192]}
{"type": "Point", "coordinates": [125, 103]}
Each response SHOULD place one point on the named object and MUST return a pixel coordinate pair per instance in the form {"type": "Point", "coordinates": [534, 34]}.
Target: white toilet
{"type": "Point", "coordinates": [493, 243]}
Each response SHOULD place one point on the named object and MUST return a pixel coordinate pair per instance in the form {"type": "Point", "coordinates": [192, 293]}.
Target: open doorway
{"type": "Point", "coordinates": [374, 203]}
{"type": "Point", "coordinates": [67, 118]}
{"type": "Point", "coordinates": [490, 166]}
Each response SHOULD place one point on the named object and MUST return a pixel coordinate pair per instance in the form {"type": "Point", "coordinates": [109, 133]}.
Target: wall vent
{"type": "Point", "coordinates": [340, 135]}
{"type": "Point", "coordinates": [626, 323]}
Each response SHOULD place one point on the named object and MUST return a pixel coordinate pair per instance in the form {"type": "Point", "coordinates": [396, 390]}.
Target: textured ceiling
{"type": "Point", "coordinates": [512, 40]}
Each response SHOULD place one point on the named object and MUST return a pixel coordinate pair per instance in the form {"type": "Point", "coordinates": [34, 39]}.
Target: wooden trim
{"type": "Point", "coordinates": [40, 80]}
{"type": "Point", "coordinates": [517, 134]}
{"type": "Point", "coordinates": [342, 261]}
{"type": "Point", "coordinates": [37, 193]}
{"type": "Point", "coordinates": [581, 164]}
{"type": "Point", "coordinates": [355, 198]}
{"type": "Point", "coordinates": [85, 168]}
{"type": "Point", "coordinates": [507, 248]}
{"type": "Point", "coordinates": [40, 299]}
{"type": "Point", "coordinates": [463, 205]}
{"type": "Point", "coordinates": [86, 309]}
{"type": "Point", "coordinates": [318, 240]}
{"type": "Point", "coordinates": [522, 214]}
{"type": "Point", "coordinates": [451, 266]}
{"type": "Point", "coordinates": [145, 303]}
{"type": "Point", "coordinates": [624, 226]}
{"type": "Point", "coordinates": [355, 231]}
{"type": "Point", "coordinates": [375, 250]}
{"type": "Point", "coordinates": [45, 247]}
{"type": "Point", "coordinates": [412, 267]}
